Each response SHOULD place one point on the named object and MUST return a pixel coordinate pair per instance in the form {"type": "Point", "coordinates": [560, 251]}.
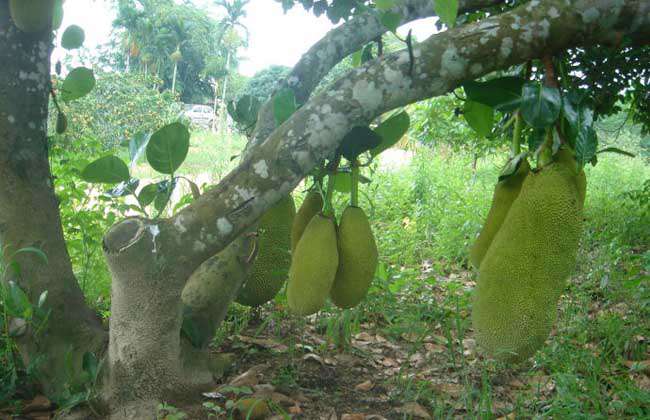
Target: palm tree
{"type": "Point", "coordinates": [228, 35]}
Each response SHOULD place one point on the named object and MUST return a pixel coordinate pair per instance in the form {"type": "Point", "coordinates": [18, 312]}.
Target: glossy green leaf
{"type": "Point", "coordinates": [168, 147]}
{"type": "Point", "coordinates": [284, 105]}
{"type": "Point", "coordinates": [391, 20]}
{"type": "Point", "coordinates": [358, 140]}
{"type": "Point", "coordinates": [384, 4]}
{"type": "Point", "coordinates": [90, 365]}
{"type": "Point", "coordinates": [540, 105]}
{"type": "Point", "coordinates": [57, 15]}
{"type": "Point", "coordinates": [586, 144]}
{"type": "Point", "coordinates": [73, 37]}
{"type": "Point", "coordinates": [106, 170]}
{"type": "Point", "coordinates": [77, 84]}
{"type": "Point", "coordinates": [447, 11]}
{"type": "Point", "coordinates": [503, 93]}
{"type": "Point", "coordinates": [391, 131]}
{"type": "Point", "coordinates": [147, 194]}
{"type": "Point", "coordinates": [479, 116]}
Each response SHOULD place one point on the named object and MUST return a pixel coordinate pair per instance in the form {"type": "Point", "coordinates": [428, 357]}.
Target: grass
{"type": "Point", "coordinates": [425, 215]}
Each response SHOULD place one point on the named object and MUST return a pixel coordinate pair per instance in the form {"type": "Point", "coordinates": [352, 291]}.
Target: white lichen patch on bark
{"type": "Point", "coordinates": [178, 223]}
{"type": "Point", "coordinates": [245, 193]}
{"type": "Point", "coordinates": [367, 94]}
{"type": "Point", "coordinates": [261, 169]}
{"type": "Point", "coordinates": [224, 227]}
{"type": "Point", "coordinates": [451, 63]}
{"type": "Point", "coordinates": [155, 231]}
{"type": "Point", "coordinates": [506, 47]}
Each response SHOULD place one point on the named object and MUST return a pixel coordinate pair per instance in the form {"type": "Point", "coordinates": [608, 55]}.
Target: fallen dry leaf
{"type": "Point", "coordinates": [39, 403]}
{"type": "Point", "coordinates": [364, 386]}
{"type": "Point", "coordinates": [353, 417]}
{"type": "Point", "coordinates": [248, 378]}
{"type": "Point", "coordinates": [313, 357]}
{"type": "Point", "coordinates": [414, 410]}
{"type": "Point", "coordinates": [639, 366]}
{"type": "Point", "coordinates": [295, 409]}
{"type": "Point", "coordinates": [364, 336]}
{"type": "Point", "coordinates": [264, 342]}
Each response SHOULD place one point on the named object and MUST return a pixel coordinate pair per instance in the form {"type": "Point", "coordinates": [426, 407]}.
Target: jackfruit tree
{"type": "Point", "coordinates": [532, 56]}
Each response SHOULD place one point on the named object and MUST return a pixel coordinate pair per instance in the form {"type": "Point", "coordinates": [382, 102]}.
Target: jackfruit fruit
{"type": "Point", "coordinates": [271, 266]}
{"type": "Point", "coordinates": [567, 157]}
{"type": "Point", "coordinates": [357, 259]}
{"type": "Point", "coordinates": [31, 15]}
{"type": "Point", "coordinates": [313, 266]}
{"type": "Point", "coordinates": [505, 193]}
{"type": "Point", "coordinates": [310, 207]}
{"type": "Point", "coordinates": [210, 290]}
{"type": "Point", "coordinates": [523, 272]}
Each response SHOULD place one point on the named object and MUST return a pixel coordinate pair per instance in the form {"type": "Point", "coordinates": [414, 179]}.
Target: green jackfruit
{"type": "Point", "coordinates": [357, 259]}
{"type": "Point", "coordinates": [505, 193]}
{"type": "Point", "coordinates": [313, 267]}
{"type": "Point", "coordinates": [32, 15]}
{"type": "Point", "coordinates": [271, 266]}
{"type": "Point", "coordinates": [567, 157]}
{"type": "Point", "coordinates": [310, 207]}
{"type": "Point", "coordinates": [523, 272]}
{"type": "Point", "coordinates": [210, 290]}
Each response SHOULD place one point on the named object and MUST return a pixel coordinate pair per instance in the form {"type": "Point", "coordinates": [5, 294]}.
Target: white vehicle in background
{"type": "Point", "coordinates": [201, 115]}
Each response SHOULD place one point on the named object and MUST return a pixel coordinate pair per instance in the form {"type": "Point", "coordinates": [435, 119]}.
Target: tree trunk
{"type": "Point", "coordinates": [214, 106]}
{"type": "Point", "coordinates": [174, 79]}
{"type": "Point", "coordinates": [223, 113]}
{"type": "Point", "coordinates": [29, 212]}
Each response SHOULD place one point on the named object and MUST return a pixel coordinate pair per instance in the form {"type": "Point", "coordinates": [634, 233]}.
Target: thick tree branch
{"type": "Point", "coordinates": [314, 132]}
{"type": "Point", "coordinates": [338, 44]}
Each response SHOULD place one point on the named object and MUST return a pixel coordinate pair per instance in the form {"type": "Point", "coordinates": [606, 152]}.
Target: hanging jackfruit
{"type": "Point", "coordinates": [313, 266]}
{"type": "Point", "coordinates": [312, 204]}
{"type": "Point", "coordinates": [357, 259]}
{"type": "Point", "coordinates": [210, 290]}
{"type": "Point", "coordinates": [505, 193]}
{"type": "Point", "coordinates": [31, 15]}
{"type": "Point", "coordinates": [271, 266]}
{"type": "Point", "coordinates": [567, 157]}
{"type": "Point", "coordinates": [523, 272]}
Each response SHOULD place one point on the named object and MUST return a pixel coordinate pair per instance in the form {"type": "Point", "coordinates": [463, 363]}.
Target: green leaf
{"type": "Point", "coordinates": [391, 131]}
{"type": "Point", "coordinates": [535, 139]}
{"type": "Point", "coordinates": [17, 302]}
{"type": "Point", "coordinates": [586, 144]}
{"type": "Point", "coordinates": [73, 37]}
{"type": "Point", "coordinates": [503, 94]}
{"type": "Point", "coordinates": [343, 182]}
{"type": "Point", "coordinates": [540, 105]}
{"type": "Point", "coordinates": [511, 167]}
{"type": "Point", "coordinates": [480, 117]}
{"type": "Point", "coordinates": [42, 298]}
{"type": "Point", "coordinates": [168, 147]}
{"type": "Point", "coordinates": [247, 109]}
{"type": "Point", "coordinates": [284, 105]}
{"type": "Point", "coordinates": [391, 20]}
{"type": "Point", "coordinates": [165, 189]}
{"type": "Point", "coordinates": [77, 84]}
{"type": "Point", "coordinates": [90, 365]}
{"type": "Point", "coordinates": [147, 194]}
{"type": "Point", "coordinates": [61, 123]}
{"type": "Point", "coordinates": [106, 170]}
{"type": "Point", "coordinates": [366, 53]}
{"type": "Point", "coordinates": [356, 58]}
{"type": "Point", "coordinates": [447, 11]}
{"type": "Point", "coordinates": [57, 15]}
{"type": "Point", "coordinates": [384, 4]}
{"type": "Point", "coordinates": [358, 140]}
{"type": "Point", "coordinates": [617, 151]}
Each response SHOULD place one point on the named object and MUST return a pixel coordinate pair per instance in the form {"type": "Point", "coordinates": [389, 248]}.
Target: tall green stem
{"type": "Point", "coordinates": [354, 190]}
{"type": "Point", "coordinates": [516, 135]}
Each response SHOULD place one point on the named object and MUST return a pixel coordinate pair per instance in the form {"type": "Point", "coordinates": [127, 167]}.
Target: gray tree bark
{"type": "Point", "coordinates": [29, 212]}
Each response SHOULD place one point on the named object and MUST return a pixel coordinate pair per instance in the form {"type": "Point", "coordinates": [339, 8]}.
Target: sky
{"type": "Point", "coordinates": [275, 37]}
